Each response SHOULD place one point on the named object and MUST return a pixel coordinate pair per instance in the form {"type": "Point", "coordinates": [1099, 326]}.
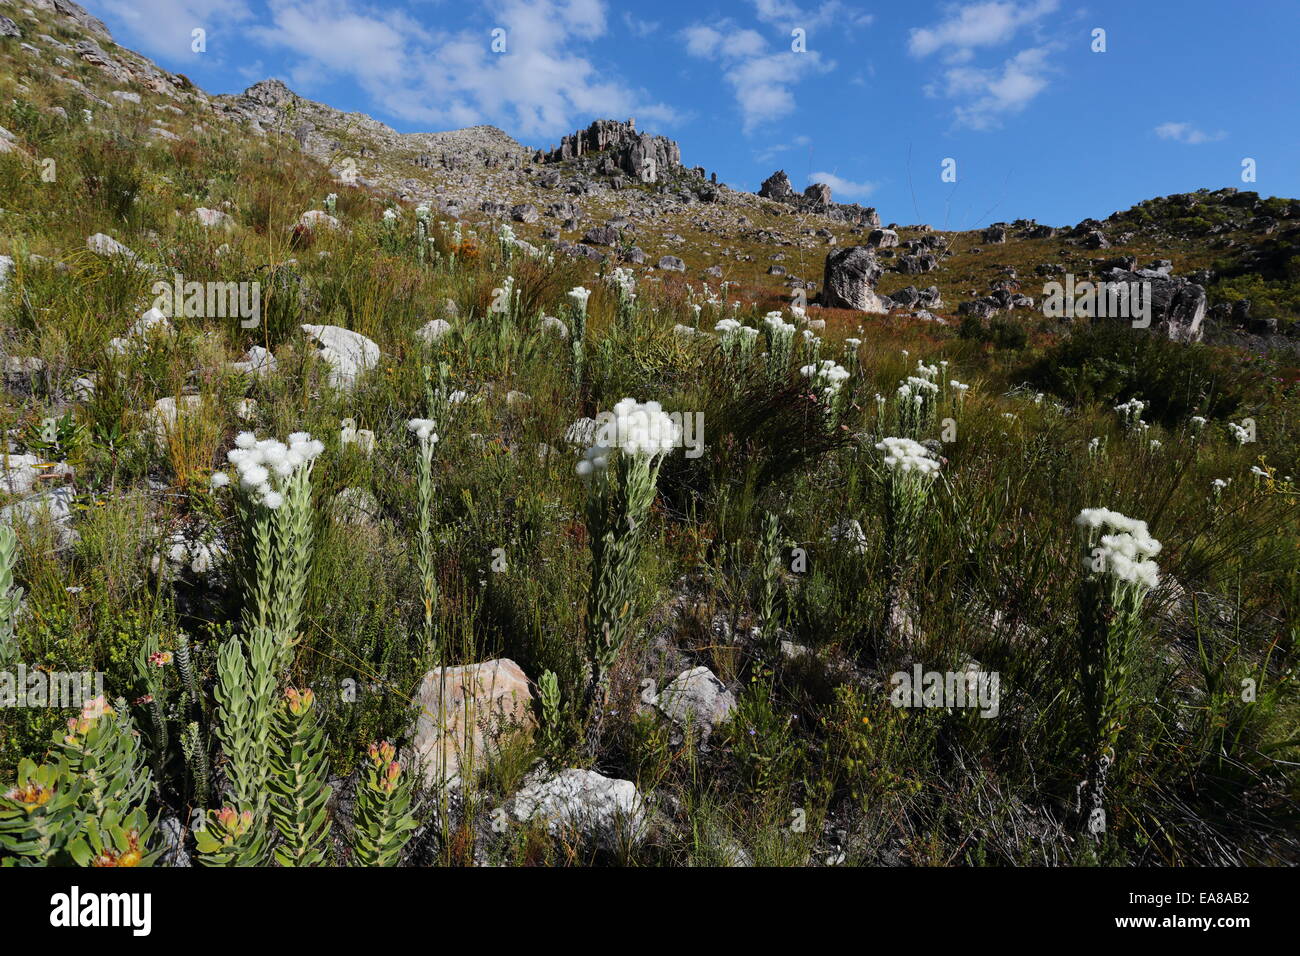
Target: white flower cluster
{"type": "Point", "coordinates": [624, 280]}
{"type": "Point", "coordinates": [266, 466]}
{"type": "Point", "coordinates": [727, 327]}
{"type": "Point", "coordinates": [390, 215]}
{"type": "Point", "coordinates": [641, 429]}
{"type": "Point", "coordinates": [580, 296]}
{"type": "Point", "coordinates": [423, 429]}
{"type": "Point", "coordinates": [905, 455]}
{"type": "Point", "coordinates": [1126, 549]}
{"type": "Point", "coordinates": [1131, 412]}
{"type": "Point", "coordinates": [777, 324]}
{"type": "Point", "coordinates": [1239, 432]}
{"type": "Point", "coordinates": [827, 375]}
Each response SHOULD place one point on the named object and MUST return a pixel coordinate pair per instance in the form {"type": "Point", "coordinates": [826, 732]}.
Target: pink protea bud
{"type": "Point", "coordinates": [300, 701]}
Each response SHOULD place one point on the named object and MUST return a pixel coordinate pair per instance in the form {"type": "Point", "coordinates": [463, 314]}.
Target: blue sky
{"type": "Point", "coordinates": [878, 97]}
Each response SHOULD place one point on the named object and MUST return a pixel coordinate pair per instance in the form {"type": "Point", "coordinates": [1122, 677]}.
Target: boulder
{"type": "Point", "coordinates": [108, 247]}
{"type": "Point", "coordinates": [607, 811]}
{"type": "Point", "coordinates": [464, 714]}
{"type": "Point", "coordinates": [347, 353]}
{"type": "Point", "coordinates": [19, 474]}
{"type": "Point", "coordinates": [432, 331]}
{"type": "Point", "coordinates": [524, 212]}
{"type": "Point", "coordinates": [318, 217]}
{"type": "Point", "coordinates": [672, 264]}
{"type": "Point", "coordinates": [882, 238]}
{"type": "Point", "coordinates": [256, 361]}
{"type": "Point", "coordinates": [849, 280]}
{"type": "Point", "coordinates": [601, 236]}
{"type": "Point", "coordinates": [819, 194]}
{"type": "Point", "coordinates": [697, 701]}
{"type": "Point", "coordinates": [1177, 303]}
{"type": "Point", "coordinates": [776, 186]}
{"type": "Point", "coordinates": [213, 218]}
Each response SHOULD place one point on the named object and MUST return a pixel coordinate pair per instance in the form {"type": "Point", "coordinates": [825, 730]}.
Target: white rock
{"type": "Point", "coordinates": [552, 324]}
{"type": "Point", "coordinates": [213, 218]}
{"type": "Point", "coordinates": [582, 432]}
{"type": "Point", "coordinates": [697, 699]}
{"type": "Point", "coordinates": [849, 531]}
{"type": "Point", "coordinates": [54, 505]}
{"type": "Point", "coordinates": [432, 331]}
{"type": "Point", "coordinates": [166, 412]}
{"type": "Point", "coordinates": [20, 473]}
{"type": "Point", "coordinates": [103, 245]}
{"type": "Point", "coordinates": [126, 96]}
{"type": "Point", "coordinates": [257, 361]}
{"type": "Point", "coordinates": [6, 267]}
{"type": "Point", "coordinates": [603, 809]}
{"type": "Point", "coordinates": [347, 353]}
{"type": "Point", "coordinates": [314, 217]}
{"type": "Point", "coordinates": [150, 323]}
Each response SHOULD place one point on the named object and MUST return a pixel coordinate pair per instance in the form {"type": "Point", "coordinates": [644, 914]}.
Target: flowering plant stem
{"type": "Point", "coordinates": [618, 504]}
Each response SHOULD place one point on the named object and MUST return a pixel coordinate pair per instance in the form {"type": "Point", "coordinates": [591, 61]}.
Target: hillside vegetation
{"type": "Point", "coordinates": [871, 494]}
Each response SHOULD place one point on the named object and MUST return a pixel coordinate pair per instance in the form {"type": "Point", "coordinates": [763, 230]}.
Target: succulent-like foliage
{"type": "Point", "coordinates": [298, 782]}
{"type": "Point", "coordinates": [38, 815]}
{"type": "Point", "coordinates": [85, 806]}
{"type": "Point", "coordinates": [245, 707]}
{"type": "Point", "coordinates": [382, 821]}
{"type": "Point", "coordinates": [10, 595]}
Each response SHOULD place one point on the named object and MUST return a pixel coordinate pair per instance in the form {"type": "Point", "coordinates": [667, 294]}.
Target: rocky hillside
{"type": "Point", "coordinates": [610, 190]}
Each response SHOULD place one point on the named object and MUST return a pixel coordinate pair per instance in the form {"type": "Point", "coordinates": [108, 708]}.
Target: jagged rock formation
{"type": "Point", "coordinates": [817, 199]}
{"type": "Point", "coordinates": [645, 158]}
{"type": "Point", "coordinates": [777, 186]}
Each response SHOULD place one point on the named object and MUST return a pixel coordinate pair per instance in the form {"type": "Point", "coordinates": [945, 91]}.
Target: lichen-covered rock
{"type": "Point", "coordinates": [605, 810]}
{"type": "Point", "coordinates": [849, 280]}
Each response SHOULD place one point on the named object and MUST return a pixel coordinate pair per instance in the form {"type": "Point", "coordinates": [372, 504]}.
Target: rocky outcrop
{"type": "Point", "coordinates": [1177, 304]}
{"type": "Point", "coordinates": [777, 186]}
{"type": "Point", "coordinates": [645, 158]}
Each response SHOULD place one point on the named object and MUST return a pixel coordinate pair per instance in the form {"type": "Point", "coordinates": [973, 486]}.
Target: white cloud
{"type": "Point", "coordinates": [541, 86]}
{"type": "Point", "coordinates": [967, 28]}
{"type": "Point", "coordinates": [985, 95]}
{"type": "Point", "coordinates": [788, 15]}
{"type": "Point", "coordinates": [639, 28]}
{"type": "Point", "coordinates": [841, 188]}
{"type": "Point", "coordinates": [163, 28]}
{"type": "Point", "coordinates": [1187, 134]}
{"type": "Point", "coordinates": [761, 80]}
